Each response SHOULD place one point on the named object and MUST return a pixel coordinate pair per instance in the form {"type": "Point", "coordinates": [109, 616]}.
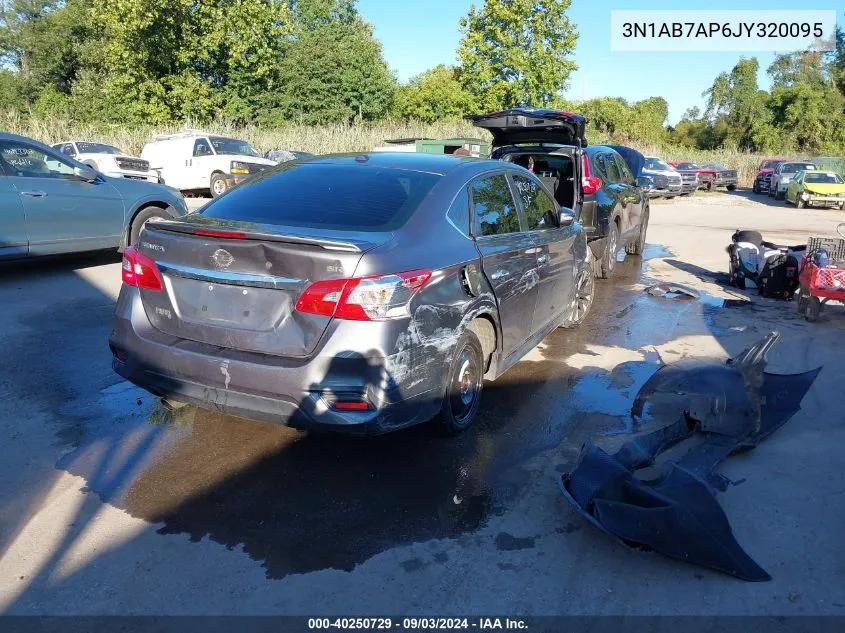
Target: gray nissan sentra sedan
{"type": "Point", "coordinates": [357, 293]}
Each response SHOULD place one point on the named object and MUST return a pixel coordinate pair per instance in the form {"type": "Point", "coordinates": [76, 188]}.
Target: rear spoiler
{"type": "Point", "coordinates": [175, 226]}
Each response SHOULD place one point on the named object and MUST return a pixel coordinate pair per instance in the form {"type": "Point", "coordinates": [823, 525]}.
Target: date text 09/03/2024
{"type": "Point", "coordinates": [722, 29]}
{"type": "Point", "coordinates": [417, 624]}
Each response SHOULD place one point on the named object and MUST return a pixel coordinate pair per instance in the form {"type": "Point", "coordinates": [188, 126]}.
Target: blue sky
{"type": "Point", "coordinates": [419, 34]}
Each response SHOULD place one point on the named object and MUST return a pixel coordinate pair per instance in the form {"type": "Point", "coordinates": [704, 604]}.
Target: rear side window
{"type": "Point", "coordinates": [624, 172]}
{"type": "Point", "coordinates": [536, 203]}
{"type": "Point", "coordinates": [458, 213]}
{"type": "Point", "coordinates": [495, 211]}
{"type": "Point", "coordinates": [610, 168]}
{"type": "Point", "coordinates": [344, 197]}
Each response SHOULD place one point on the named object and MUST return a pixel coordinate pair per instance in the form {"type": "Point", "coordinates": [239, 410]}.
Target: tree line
{"type": "Point", "coordinates": [277, 62]}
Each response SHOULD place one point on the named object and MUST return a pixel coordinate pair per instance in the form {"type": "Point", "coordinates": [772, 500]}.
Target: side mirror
{"type": "Point", "coordinates": [567, 216]}
{"type": "Point", "coordinates": [645, 182]}
{"type": "Point", "coordinates": [85, 173]}
{"type": "Point", "coordinates": [550, 220]}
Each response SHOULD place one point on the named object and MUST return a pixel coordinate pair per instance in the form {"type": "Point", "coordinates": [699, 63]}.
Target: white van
{"type": "Point", "coordinates": [197, 161]}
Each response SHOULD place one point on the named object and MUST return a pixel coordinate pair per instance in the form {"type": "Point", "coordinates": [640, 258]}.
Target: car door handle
{"type": "Point", "coordinates": [499, 274]}
{"type": "Point", "coordinates": [34, 194]}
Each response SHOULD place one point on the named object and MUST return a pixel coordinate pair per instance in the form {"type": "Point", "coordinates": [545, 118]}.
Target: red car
{"type": "Point", "coordinates": [764, 171]}
{"type": "Point", "coordinates": [706, 175]}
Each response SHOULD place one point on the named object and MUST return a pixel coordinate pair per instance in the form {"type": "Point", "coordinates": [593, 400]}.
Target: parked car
{"type": "Point", "coordinates": [598, 181]}
{"type": "Point", "coordinates": [764, 174]}
{"type": "Point", "coordinates": [662, 180]}
{"type": "Point", "coordinates": [358, 293]}
{"type": "Point", "coordinates": [197, 161]}
{"type": "Point", "coordinates": [284, 155]}
{"type": "Point", "coordinates": [108, 160]}
{"type": "Point", "coordinates": [725, 177]}
{"type": "Point", "coordinates": [53, 204]}
{"type": "Point", "coordinates": [782, 174]}
{"type": "Point", "coordinates": [706, 177]}
{"type": "Point", "coordinates": [816, 189]}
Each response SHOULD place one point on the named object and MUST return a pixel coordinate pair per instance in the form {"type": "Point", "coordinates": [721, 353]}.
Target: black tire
{"type": "Point", "coordinates": [731, 187]}
{"type": "Point", "coordinates": [756, 187]}
{"type": "Point", "coordinates": [799, 203]}
{"type": "Point", "coordinates": [219, 184]}
{"type": "Point", "coordinates": [803, 300]}
{"type": "Point", "coordinates": [585, 294]}
{"type": "Point", "coordinates": [638, 245]}
{"type": "Point", "coordinates": [813, 309]}
{"type": "Point", "coordinates": [608, 259]}
{"type": "Point", "coordinates": [463, 391]}
{"type": "Point", "coordinates": [778, 195]}
{"type": "Point", "coordinates": [144, 216]}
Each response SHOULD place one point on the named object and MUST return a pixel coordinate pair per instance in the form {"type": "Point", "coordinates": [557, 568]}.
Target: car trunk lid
{"type": "Point", "coordinates": [235, 284]}
{"type": "Point", "coordinates": [532, 125]}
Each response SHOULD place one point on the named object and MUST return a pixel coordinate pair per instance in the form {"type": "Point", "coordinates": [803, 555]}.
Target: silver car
{"type": "Point", "coordinates": [782, 174]}
{"type": "Point", "coordinates": [359, 293]}
{"type": "Point", "coordinates": [51, 204]}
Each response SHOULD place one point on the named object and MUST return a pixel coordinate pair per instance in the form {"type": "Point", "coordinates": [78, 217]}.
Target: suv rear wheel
{"type": "Point", "coordinates": [638, 245]}
{"type": "Point", "coordinates": [611, 247]}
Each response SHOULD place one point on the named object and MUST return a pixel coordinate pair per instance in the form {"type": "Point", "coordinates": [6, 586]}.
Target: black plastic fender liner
{"type": "Point", "coordinates": [731, 407]}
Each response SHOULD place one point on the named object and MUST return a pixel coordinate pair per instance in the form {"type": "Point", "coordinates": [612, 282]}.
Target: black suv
{"type": "Point", "coordinates": [598, 182]}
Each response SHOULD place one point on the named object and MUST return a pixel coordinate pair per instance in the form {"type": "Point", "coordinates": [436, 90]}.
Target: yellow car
{"type": "Point", "coordinates": [816, 189]}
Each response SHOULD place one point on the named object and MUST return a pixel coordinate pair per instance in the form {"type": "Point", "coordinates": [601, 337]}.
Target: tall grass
{"type": "Point", "coordinates": [329, 139]}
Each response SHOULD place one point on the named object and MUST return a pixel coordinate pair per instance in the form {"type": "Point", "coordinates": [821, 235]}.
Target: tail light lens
{"type": "Point", "coordinates": [364, 298]}
{"type": "Point", "coordinates": [140, 271]}
{"type": "Point", "coordinates": [589, 183]}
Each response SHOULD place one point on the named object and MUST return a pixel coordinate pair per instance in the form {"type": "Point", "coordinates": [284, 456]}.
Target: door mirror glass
{"type": "Point", "coordinates": [566, 217]}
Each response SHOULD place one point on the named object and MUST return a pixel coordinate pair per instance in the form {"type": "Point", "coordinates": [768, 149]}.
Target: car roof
{"type": "Point", "coordinates": [440, 164]}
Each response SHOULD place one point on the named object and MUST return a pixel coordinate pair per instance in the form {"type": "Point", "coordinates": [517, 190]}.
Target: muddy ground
{"type": "Point", "coordinates": [108, 505]}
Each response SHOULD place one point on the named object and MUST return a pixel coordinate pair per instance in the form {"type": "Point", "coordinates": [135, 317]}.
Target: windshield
{"type": "Point", "coordinates": [791, 168]}
{"type": "Point", "coordinates": [767, 164]}
{"type": "Point", "coordinates": [313, 195]}
{"type": "Point", "coordinates": [657, 165]}
{"type": "Point", "coordinates": [820, 178]}
{"type": "Point", "coordinates": [97, 148]}
{"type": "Point", "coordinates": [687, 166]}
{"type": "Point", "coordinates": [715, 166]}
{"type": "Point", "coordinates": [232, 146]}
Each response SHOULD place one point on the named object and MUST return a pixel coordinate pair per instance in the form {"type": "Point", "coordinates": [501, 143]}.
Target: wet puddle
{"type": "Point", "coordinates": [300, 503]}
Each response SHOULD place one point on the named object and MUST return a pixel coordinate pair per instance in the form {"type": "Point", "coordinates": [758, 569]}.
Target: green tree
{"type": "Point", "coordinates": [514, 52]}
{"type": "Point", "coordinates": [610, 118]}
{"type": "Point", "coordinates": [432, 96]}
{"type": "Point", "coordinates": [737, 97]}
{"type": "Point", "coordinates": [332, 73]}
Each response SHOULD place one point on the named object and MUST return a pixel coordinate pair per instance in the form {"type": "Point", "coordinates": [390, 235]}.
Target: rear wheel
{"type": "Point", "coordinates": [638, 245]}
{"type": "Point", "coordinates": [463, 392]}
{"type": "Point", "coordinates": [611, 247]}
{"type": "Point", "coordinates": [150, 214]}
{"type": "Point", "coordinates": [731, 187]}
{"type": "Point", "coordinates": [799, 203]}
{"type": "Point", "coordinates": [585, 292]}
{"type": "Point", "coordinates": [813, 309]}
{"type": "Point", "coordinates": [756, 187]}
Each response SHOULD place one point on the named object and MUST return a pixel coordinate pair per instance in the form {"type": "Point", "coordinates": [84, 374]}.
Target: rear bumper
{"type": "Point", "coordinates": [402, 388]}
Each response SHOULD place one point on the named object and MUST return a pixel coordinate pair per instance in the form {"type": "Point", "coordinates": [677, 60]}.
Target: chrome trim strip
{"type": "Point", "coordinates": [230, 278]}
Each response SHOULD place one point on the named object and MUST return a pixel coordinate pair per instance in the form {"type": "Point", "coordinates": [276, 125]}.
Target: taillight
{"type": "Point", "coordinates": [364, 298]}
{"type": "Point", "coordinates": [140, 271]}
{"type": "Point", "coordinates": [589, 183]}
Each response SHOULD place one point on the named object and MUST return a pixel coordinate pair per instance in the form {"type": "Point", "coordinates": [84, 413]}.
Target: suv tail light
{"type": "Point", "coordinates": [364, 298]}
{"type": "Point", "coordinates": [140, 271]}
{"type": "Point", "coordinates": [589, 183]}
